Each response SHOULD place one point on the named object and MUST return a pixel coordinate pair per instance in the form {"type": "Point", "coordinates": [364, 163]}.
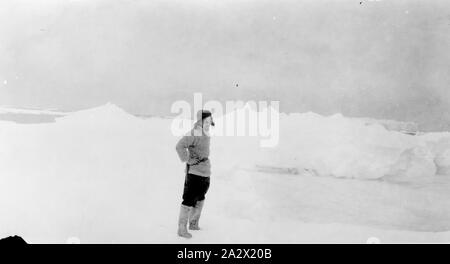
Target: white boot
{"type": "Point", "coordinates": [183, 220]}
{"type": "Point", "coordinates": [195, 215]}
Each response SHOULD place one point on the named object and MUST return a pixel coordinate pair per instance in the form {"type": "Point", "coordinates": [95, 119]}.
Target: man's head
{"type": "Point", "coordinates": [204, 119]}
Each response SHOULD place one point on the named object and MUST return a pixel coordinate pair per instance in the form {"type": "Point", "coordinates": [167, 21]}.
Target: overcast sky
{"type": "Point", "coordinates": [383, 59]}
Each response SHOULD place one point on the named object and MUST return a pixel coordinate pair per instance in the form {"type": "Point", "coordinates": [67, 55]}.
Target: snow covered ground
{"type": "Point", "coordinates": [102, 175]}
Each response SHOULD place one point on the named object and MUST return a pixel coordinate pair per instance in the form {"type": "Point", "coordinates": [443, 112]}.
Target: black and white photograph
{"type": "Point", "coordinates": [224, 122]}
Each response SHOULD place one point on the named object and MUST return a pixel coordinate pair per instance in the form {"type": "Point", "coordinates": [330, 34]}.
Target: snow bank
{"type": "Point", "coordinates": [353, 148]}
{"type": "Point", "coordinates": [108, 114]}
{"type": "Point", "coordinates": [105, 176]}
{"type": "Point", "coordinates": [84, 175]}
{"type": "Point", "coordinates": [328, 146]}
{"type": "Point", "coordinates": [393, 125]}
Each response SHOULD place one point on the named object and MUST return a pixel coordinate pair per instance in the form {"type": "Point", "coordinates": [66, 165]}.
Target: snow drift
{"type": "Point", "coordinates": [354, 148]}
{"type": "Point", "coordinates": [105, 176]}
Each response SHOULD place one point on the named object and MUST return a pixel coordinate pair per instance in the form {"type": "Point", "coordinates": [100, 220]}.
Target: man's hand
{"type": "Point", "coordinates": [196, 160]}
{"type": "Point", "coordinates": [193, 161]}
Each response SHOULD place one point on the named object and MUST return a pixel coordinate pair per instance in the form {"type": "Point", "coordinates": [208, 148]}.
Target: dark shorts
{"type": "Point", "coordinates": [195, 188]}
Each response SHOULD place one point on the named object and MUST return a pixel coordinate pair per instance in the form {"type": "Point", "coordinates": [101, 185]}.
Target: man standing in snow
{"type": "Point", "coordinates": [193, 148]}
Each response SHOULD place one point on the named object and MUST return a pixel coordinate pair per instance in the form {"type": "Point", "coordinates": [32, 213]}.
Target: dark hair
{"type": "Point", "coordinates": [206, 114]}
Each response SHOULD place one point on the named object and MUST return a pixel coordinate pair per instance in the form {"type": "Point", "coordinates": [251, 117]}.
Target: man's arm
{"type": "Point", "coordinates": [182, 147]}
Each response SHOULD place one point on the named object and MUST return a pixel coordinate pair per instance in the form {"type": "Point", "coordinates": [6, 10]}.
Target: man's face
{"type": "Point", "coordinates": [207, 123]}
